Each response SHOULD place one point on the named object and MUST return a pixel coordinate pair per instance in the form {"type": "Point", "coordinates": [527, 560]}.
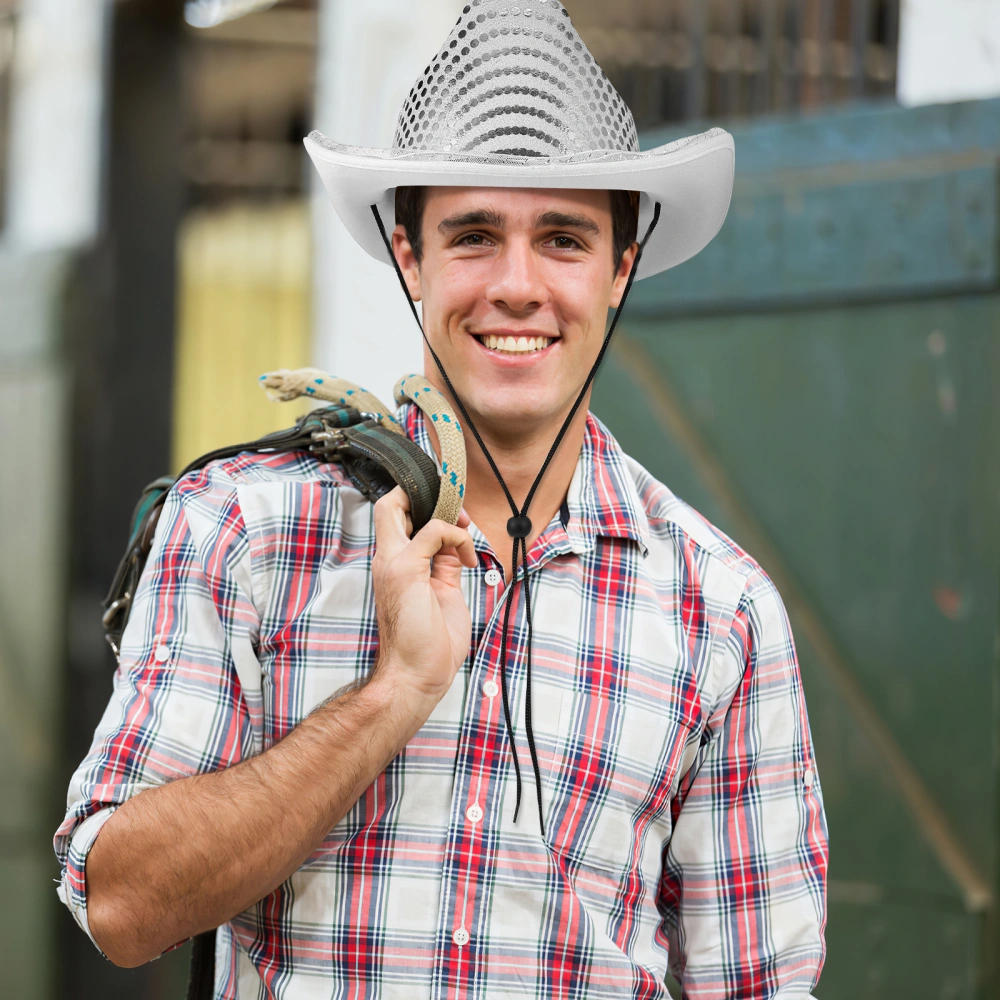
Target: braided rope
{"type": "Point", "coordinates": [449, 432]}
{"type": "Point", "coordinates": [288, 384]}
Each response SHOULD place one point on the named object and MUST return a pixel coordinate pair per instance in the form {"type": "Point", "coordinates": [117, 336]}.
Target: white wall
{"type": "Point", "coordinates": [370, 53]}
{"type": "Point", "coordinates": [949, 50]}
{"type": "Point", "coordinates": [57, 123]}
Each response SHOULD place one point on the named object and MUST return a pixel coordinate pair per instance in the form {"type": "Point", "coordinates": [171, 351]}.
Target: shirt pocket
{"type": "Point", "coordinates": [611, 781]}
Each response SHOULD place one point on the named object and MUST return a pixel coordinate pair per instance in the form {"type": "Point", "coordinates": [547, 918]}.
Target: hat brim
{"type": "Point", "coordinates": [691, 178]}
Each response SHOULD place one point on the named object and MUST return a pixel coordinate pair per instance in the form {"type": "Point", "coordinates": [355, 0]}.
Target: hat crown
{"type": "Point", "coordinates": [514, 80]}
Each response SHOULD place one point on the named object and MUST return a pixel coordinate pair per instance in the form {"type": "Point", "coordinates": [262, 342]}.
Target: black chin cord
{"type": "Point", "coordinates": [519, 525]}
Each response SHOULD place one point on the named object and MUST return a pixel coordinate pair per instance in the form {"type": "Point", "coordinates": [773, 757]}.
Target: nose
{"type": "Point", "coordinates": [516, 281]}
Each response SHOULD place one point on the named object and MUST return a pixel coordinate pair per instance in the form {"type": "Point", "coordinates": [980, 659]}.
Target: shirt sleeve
{"type": "Point", "coordinates": [743, 888]}
{"type": "Point", "coordinates": [178, 706]}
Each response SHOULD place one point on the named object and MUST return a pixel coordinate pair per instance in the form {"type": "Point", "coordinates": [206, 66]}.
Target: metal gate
{"type": "Point", "coordinates": [822, 383]}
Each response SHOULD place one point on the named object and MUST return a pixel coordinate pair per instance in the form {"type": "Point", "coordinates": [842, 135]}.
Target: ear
{"type": "Point", "coordinates": [621, 275]}
{"type": "Point", "coordinates": [407, 261]}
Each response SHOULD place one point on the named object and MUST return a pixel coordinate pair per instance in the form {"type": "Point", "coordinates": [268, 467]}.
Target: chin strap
{"type": "Point", "coordinates": [519, 524]}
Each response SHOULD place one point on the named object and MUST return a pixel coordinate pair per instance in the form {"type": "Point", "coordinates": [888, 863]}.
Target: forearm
{"type": "Point", "coordinates": [189, 855]}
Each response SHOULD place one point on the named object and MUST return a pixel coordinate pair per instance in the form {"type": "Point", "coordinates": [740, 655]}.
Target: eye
{"type": "Point", "coordinates": [473, 240]}
{"type": "Point", "coordinates": [563, 242]}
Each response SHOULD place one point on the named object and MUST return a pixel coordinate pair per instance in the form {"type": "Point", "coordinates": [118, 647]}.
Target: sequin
{"type": "Point", "coordinates": [552, 76]}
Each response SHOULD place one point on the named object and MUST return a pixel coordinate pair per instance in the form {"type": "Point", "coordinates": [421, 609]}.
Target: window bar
{"type": "Point", "coordinates": [824, 41]}
{"type": "Point", "coordinates": [696, 81]}
{"type": "Point", "coordinates": [732, 73]}
{"type": "Point", "coordinates": [793, 37]}
{"type": "Point", "coordinates": [765, 96]}
{"type": "Point", "coordinates": [860, 35]}
{"type": "Point", "coordinates": [890, 24]}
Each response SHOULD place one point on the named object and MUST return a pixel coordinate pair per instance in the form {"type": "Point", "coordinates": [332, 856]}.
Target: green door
{"type": "Point", "coordinates": [822, 383]}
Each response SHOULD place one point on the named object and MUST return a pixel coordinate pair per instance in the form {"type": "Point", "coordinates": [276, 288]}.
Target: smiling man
{"type": "Point", "coordinates": [314, 742]}
{"type": "Point", "coordinates": [516, 285]}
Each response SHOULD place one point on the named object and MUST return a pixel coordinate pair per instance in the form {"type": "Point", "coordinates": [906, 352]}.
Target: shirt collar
{"type": "Point", "coordinates": [602, 499]}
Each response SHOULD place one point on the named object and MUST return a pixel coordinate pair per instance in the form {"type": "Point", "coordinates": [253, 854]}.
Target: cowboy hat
{"type": "Point", "coordinates": [513, 98]}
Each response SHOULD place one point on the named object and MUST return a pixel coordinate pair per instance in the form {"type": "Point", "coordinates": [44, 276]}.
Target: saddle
{"type": "Point", "coordinates": [357, 431]}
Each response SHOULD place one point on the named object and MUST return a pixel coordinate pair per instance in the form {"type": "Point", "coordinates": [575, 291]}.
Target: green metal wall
{"type": "Point", "coordinates": [822, 383]}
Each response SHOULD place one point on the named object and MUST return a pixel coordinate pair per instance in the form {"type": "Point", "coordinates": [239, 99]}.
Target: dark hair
{"type": "Point", "coordinates": [624, 219]}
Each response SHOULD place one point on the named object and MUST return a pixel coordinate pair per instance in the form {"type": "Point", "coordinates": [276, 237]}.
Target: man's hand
{"type": "Point", "coordinates": [424, 623]}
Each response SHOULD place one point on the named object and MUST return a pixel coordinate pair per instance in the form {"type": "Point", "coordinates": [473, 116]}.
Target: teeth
{"type": "Point", "coordinates": [516, 345]}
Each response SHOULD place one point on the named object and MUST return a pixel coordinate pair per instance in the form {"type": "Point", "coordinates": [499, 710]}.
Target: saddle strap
{"type": "Point", "coordinates": [201, 973]}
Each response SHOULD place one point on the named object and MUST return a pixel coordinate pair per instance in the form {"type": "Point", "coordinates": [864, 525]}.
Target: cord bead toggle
{"type": "Point", "coordinates": [519, 526]}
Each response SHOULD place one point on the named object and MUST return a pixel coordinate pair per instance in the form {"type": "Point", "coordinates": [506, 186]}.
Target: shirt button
{"type": "Point", "coordinates": [474, 814]}
{"type": "Point", "coordinates": [493, 577]}
{"type": "Point", "coordinates": [460, 937]}
{"type": "Point", "coordinates": [162, 653]}
{"type": "Point", "coordinates": [490, 689]}
{"type": "Point", "coordinates": [809, 777]}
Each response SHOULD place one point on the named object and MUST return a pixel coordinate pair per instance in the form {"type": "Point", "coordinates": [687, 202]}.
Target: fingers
{"type": "Point", "coordinates": [392, 522]}
{"type": "Point", "coordinates": [463, 519]}
{"type": "Point", "coordinates": [447, 568]}
{"type": "Point", "coordinates": [437, 538]}
{"type": "Point", "coordinates": [436, 535]}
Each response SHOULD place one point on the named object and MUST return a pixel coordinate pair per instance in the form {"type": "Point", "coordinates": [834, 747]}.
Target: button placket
{"type": "Point", "coordinates": [467, 851]}
{"type": "Point", "coordinates": [465, 845]}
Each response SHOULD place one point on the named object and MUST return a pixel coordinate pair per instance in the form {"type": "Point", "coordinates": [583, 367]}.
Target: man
{"type": "Point", "coordinates": [319, 709]}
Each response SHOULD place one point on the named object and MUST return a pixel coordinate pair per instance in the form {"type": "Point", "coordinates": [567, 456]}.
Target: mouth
{"type": "Point", "coordinates": [514, 345]}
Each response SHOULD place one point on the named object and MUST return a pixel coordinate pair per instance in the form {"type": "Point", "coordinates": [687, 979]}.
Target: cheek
{"type": "Point", "coordinates": [456, 295]}
{"type": "Point", "coordinates": [581, 296]}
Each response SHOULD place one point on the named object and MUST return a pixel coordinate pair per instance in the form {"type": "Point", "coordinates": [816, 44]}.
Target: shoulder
{"type": "Point", "coordinates": [677, 526]}
{"type": "Point", "coordinates": [222, 481]}
{"type": "Point", "coordinates": [725, 591]}
{"type": "Point", "coordinates": [252, 468]}
{"type": "Point", "coordinates": [221, 499]}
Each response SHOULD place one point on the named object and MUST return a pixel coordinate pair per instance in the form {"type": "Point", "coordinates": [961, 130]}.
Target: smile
{"type": "Point", "coordinates": [514, 345]}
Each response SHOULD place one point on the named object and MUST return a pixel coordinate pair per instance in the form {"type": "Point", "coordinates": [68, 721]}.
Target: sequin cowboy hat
{"type": "Point", "coordinates": [513, 98]}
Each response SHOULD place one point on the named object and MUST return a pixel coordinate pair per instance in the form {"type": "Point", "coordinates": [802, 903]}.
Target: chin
{"type": "Point", "coordinates": [517, 407]}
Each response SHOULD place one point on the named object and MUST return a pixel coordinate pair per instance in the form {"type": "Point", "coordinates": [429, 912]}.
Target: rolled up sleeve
{"type": "Point", "coordinates": [743, 888]}
{"type": "Point", "coordinates": [185, 698]}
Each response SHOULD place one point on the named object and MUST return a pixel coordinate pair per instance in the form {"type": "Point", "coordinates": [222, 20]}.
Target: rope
{"type": "Point", "coordinates": [519, 525]}
{"type": "Point", "coordinates": [449, 431]}
{"type": "Point", "coordinates": [286, 384]}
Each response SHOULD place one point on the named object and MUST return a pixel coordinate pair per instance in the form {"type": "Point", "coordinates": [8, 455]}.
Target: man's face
{"type": "Point", "coordinates": [516, 284]}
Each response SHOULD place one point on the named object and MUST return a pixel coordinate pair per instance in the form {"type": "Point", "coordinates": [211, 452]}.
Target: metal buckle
{"type": "Point", "coordinates": [114, 607]}
{"type": "Point", "coordinates": [327, 442]}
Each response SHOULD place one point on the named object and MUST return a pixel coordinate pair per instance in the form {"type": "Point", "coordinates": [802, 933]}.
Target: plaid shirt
{"type": "Point", "coordinates": [683, 815]}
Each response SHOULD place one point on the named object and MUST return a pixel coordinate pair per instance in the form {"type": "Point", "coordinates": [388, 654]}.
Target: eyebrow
{"type": "Point", "coordinates": [497, 220]}
{"type": "Point", "coordinates": [564, 220]}
{"type": "Point", "coordinates": [479, 217]}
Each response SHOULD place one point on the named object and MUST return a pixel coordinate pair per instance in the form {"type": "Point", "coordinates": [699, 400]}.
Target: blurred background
{"type": "Point", "coordinates": [821, 382]}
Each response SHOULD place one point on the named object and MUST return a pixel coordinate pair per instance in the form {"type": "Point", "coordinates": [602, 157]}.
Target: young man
{"type": "Point", "coordinates": [319, 709]}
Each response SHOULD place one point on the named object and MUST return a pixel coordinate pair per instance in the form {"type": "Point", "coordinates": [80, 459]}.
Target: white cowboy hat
{"type": "Point", "coordinates": [514, 99]}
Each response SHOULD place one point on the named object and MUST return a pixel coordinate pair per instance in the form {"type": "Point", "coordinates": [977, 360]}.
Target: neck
{"type": "Point", "coordinates": [519, 458]}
